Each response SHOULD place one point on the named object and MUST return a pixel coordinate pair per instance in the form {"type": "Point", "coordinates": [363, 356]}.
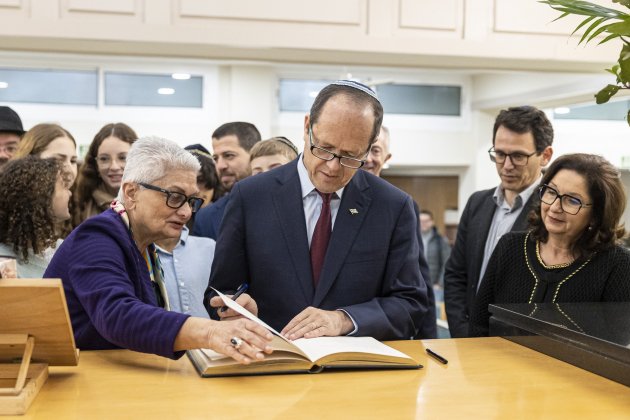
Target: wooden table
{"type": "Point", "coordinates": [485, 378]}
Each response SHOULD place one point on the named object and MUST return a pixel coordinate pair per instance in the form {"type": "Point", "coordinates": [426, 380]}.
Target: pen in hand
{"type": "Point", "coordinates": [241, 289]}
{"type": "Point", "coordinates": [437, 357]}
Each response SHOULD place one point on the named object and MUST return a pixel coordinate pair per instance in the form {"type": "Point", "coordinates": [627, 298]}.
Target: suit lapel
{"type": "Point", "coordinates": [287, 200]}
{"type": "Point", "coordinates": [485, 215]}
{"type": "Point", "coordinates": [353, 209]}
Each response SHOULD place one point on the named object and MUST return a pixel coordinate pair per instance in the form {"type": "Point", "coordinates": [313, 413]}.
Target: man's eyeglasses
{"type": "Point", "coordinates": [518, 159]}
{"type": "Point", "coordinates": [568, 203]}
{"type": "Point", "coordinates": [323, 154]}
{"type": "Point", "coordinates": [176, 200]}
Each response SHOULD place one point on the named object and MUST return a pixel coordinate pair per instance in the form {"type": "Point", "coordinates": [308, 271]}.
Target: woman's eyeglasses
{"type": "Point", "coordinates": [568, 203]}
{"type": "Point", "coordinates": [175, 200]}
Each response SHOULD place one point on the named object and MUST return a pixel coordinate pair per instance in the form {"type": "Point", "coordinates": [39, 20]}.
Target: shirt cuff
{"type": "Point", "coordinates": [354, 331]}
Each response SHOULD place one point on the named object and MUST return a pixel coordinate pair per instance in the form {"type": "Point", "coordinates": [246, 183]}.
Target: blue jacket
{"type": "Point", "coordinates": [208, 219]}
{"type": "Point", "coordinates": [108, 290]}
{"type": "Point", "coordinates": [370, 270]}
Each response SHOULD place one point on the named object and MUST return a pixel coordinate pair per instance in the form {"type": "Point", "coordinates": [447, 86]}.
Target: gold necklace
{"type": "Point", "coordinates": [550, 267]}
{"type": "Point", "coordinates": [536, 281]}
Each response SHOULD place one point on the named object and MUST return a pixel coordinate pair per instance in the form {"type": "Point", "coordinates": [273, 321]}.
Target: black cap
{"type": "Point", "coordinates": [198, 149]}
{"type": "Point", "coordinates": [10, 121]}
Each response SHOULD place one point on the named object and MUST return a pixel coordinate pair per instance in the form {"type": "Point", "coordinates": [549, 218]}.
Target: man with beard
{"type": "Point", "coordinates": [521, 147]}
{"type": "Point", "coordinates": [231, 144]}
{"type": "Point", "coordinates": [11, 132]}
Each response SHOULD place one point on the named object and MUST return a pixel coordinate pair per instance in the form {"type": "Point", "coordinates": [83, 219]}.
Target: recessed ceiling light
{"type": "Point", "coordinates": [180, 76]}
{"type": "Point", "coordinates": [4, 85]}
{"type": "Point", "coordinates": [313, 94]}
{"type": "Point", "coordinates": [562, 110]}
{"type": "Point", "coordinates": [166, 91]}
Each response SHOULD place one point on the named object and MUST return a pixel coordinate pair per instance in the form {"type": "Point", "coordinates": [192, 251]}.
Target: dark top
{"type": "Point", "coordinates": [108, 289]}
{"type": "Point", "coordinates": [208, 219]}
{"type": "Point", "coordinates": [462, 269]}
{"type": "Point", "coordinates": [514, 275]}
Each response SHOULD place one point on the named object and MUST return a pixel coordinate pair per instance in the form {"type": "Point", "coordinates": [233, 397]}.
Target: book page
{"type": "Point", "coordinates": [282, 344]}
{"type": "Point", "coordinates": [317, 348]}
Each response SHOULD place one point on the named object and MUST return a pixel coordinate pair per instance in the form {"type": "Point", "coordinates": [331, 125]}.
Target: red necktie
{"type": "Point", "coordinates": [321, 236]}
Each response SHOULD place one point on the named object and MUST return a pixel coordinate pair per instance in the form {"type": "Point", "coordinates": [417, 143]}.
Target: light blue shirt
{"type": "Point", "coordinates": [37, 263]}
{"type": "Point", "coordinates": [503, 220]}
{"type": "Point", "coordinates": [186, 273]}
{"type": "Point", "coordinates": [312, 201]}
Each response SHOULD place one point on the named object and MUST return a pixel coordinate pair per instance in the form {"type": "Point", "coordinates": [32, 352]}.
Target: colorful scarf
{"type": "Point", "coordinates": [151, 258]}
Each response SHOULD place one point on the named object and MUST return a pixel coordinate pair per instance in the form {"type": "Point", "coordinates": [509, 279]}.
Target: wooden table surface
{"type": "Point", "coordinates": [485, 378]}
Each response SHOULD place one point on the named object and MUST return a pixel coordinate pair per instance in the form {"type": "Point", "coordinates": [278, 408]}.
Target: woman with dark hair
{"type": "Point", "coordinates": [101, 172]}
{"type": "Point", "coordinates": [572, 251]}
{"type": "Point", "coordinates": [35, 194]}
{"type": "Point", "coordinates": [210, 188]}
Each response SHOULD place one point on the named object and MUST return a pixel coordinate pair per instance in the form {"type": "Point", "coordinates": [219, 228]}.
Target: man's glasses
{"type": "Point", "coordinates": [518, 159]}
{"type": "Point", "coordinates": [176, 200]}
{"type": "Point", "coordinates": [323, 154]}
{"type": "Point", "coordinates": [568, 203]}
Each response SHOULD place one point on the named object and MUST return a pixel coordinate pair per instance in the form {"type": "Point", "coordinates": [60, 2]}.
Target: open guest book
{"type": "Point", "coordinates": [304, 355]}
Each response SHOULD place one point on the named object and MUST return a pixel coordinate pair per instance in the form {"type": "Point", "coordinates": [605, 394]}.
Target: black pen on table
{"type": "Point", "coordinates": [241, 289]}
{"type": "Point", "coordinates": [437, 357]}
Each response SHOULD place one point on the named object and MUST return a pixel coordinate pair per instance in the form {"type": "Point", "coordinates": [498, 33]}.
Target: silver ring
{"type": "Point", "coordinates": [236, 342]}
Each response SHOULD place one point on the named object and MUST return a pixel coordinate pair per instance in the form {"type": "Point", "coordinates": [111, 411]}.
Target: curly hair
{"type": "Point", "coordinates": [608, 196]}
{"type": "Point", "coordinates": [27, 221]}
{"type": "Point", "coordinates": [88, 178]}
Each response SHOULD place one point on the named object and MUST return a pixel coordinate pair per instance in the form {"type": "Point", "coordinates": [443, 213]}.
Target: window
{"type": "Point", "coordinates": [162, 90]}
{"type": "Point", "coordinates": [613, 111]}
{"type": "Point", "coordinates": [69, 87]}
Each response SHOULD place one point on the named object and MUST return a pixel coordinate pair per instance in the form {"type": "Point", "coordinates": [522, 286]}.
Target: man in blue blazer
{"type": "Point", "coordinates": [369, 283]}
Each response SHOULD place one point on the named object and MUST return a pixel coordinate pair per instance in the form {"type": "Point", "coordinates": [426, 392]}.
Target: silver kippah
{"type": "Point", "coordinates": [356, 85]}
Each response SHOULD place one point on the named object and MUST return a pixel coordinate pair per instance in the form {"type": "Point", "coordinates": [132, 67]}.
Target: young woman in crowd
{"type": "Point", "coordinates": [101, 172]}
{"type": "Point", "coordinates": [35, 194]}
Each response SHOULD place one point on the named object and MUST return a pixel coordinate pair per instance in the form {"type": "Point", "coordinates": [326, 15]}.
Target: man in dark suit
{"type": "Point", "coordinates": [231, 143]}
{"type": "Point", "coordinates": [374, 164]}
{"type": "Point", "coordinates": [521, 148]}
{"type": "Point", "coordinates": [327, 250]}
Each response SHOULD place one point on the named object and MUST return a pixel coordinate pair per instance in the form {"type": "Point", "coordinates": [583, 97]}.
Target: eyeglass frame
{"type": "Point", "coordinates": [168, 193]}
{"type": "Point", "coordinates": [543, 187]}
{"type": "Point", "coordinates": [333, 154]}
{"type": "Point", "coordinates": [509, 155]}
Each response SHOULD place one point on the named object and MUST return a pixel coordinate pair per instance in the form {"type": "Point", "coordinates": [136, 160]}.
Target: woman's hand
{"type": "Point", "coordinates": [241, 339]}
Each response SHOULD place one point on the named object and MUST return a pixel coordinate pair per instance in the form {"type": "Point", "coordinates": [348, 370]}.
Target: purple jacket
{"type": "Point", "coordinates": [109, 292]}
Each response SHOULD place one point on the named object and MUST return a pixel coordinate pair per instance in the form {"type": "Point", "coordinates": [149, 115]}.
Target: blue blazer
{"type": "Point", "coordinates": [371, 267]}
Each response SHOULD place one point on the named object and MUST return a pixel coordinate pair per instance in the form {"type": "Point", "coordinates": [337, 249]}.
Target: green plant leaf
{"type": "Point", "coordinates": [608, 38]}
{"type": "Point", "coordinates": [624, 2]}
{"type": "Point", "coordinates": [606, 93]}
{"type": "Point", "coordinates": [628, 117]}
{"type": "Point", "coordinates": [584, 22]}
{"type": "Point", "coordinates": [619, 28]}
{"type": "Point", "coordinates": [597, 32]}
{"type": "Point", "coordinates": [624, 65]}
{"type": "Point", "coordinates": [593, 26]}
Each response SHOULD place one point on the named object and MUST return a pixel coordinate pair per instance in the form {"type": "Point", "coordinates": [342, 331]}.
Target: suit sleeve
{"type": "Point", "coordinates": [456, 280]}
{"type": "Point", "coordinates": [230, 267]}
{"type": "Point", "coordinates": [445, 254]}
{"type": "Point", "coordinates": [479, 313]}
{"type": "Point", "coordinates": [403, 303]}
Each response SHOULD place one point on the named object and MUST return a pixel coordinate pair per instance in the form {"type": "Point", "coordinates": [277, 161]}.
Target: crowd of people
{"type": "Point", "coordinates": [143, 231]}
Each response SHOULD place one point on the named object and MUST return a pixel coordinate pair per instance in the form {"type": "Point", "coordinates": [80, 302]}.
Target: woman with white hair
{"type": "Point", "coordinates": [112, 277]}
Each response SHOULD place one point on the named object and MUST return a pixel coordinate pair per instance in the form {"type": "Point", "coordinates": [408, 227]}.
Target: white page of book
{"type": "Point", "coordinates": [316, 348]}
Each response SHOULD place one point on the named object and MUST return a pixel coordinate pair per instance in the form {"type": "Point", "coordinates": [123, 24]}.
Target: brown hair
{"type": "Point", "coordinates": [27, 221]}
{"type": "Point", "coordinates": [526, 119]}
{"type": "Point", "coordinates": [274, 146]}
{"type": "Point", "coordinates": [608, 197]}
{"type": "Point", "coordinates": [88, 178]}
{"type": "Point", "coordinates": [37, 139]}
